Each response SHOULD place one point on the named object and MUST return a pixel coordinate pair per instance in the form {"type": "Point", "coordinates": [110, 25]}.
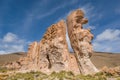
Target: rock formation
{"type": "Point", "coordinates": [51, 53]}
{"type": "Point", "coordinates": [81, 41]}
{"type": "Point", "coordinates": [112, 71]}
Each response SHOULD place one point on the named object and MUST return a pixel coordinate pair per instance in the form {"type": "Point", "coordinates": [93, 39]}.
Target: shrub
{"type": "Point", "coordinates": [63, 75]}
{"type": "Point", "coordinates": [3, 69]}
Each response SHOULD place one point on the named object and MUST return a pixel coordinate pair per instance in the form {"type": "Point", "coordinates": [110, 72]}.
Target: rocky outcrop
{"type": "Point", "coordinates": [115, 71]}
{"type": "Point", "coordinates": [81, 41]}
{"type": "Point", "coordinates": [50, 54]}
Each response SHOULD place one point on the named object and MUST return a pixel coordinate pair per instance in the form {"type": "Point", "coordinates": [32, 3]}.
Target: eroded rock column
{"type": "Point", "coordinates": [50, 54]}
{"type": "Point", "coordinates": [54, 46]}
{"type": "Point", "coordinates": [81, 41]}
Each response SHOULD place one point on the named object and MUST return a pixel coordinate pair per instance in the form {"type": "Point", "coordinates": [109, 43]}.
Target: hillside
{"type": "Point", "coordinates": [100, 59]}
{"type": "Point", "coordinates": [11, 57]}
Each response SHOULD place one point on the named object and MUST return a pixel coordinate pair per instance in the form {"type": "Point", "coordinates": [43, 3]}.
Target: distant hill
{"type": "Point", "coordinates": [11, 57]}
{"type": "Point", "coordinates": [100, 59]}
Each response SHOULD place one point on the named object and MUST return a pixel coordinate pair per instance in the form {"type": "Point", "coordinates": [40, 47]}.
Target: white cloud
{"type": "Point", "coordinates": [2, 52]}
{"type": "Point", "coordinates": [107, 41]}
{"type": "Point", "coordinates": [12, 43]}
{"type": "Point", "coordinates": [9, 37]}
{"type": "Point", "coordinates": [109, 34]}
{"type": "Point", "coordinates": [102, 47]}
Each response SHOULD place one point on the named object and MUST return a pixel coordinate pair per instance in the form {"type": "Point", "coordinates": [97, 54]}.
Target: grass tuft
{"type": "Point", "coordinates": [63, 75]}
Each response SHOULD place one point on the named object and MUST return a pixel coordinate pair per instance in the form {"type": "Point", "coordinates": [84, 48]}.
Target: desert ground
{"type": "Point", "coordinates": [100, 59]}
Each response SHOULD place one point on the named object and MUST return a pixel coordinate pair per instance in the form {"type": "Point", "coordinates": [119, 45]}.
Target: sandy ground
{"type": "Point", "coordinates": [100, 59]}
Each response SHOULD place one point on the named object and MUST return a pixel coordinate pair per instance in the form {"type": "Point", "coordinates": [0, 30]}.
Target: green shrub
{"type": "Point", "coordinates": [3, 69]}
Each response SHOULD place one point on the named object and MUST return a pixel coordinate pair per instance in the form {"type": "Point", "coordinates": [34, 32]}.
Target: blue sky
{"type": "Point", "coordinates": [25, 21]}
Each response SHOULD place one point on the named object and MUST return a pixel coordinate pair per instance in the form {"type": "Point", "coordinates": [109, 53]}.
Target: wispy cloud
{"type": "Point", "coordinates": [113, 25]}
{"type": "Point", "coordinates": [27, 22]}
{"type": "Point", "coordinates": [32, 13]}
{"type": "Point", "coordinates": [35, 12]}
{"type": "Point", "coordinates": [62, 17]}
{"type": "Point", "coordinates": [88, 9]}
{"type": "Point", "coordinates": [12, 43]}
{"type": "Point", "coordinates": [52, 11]}
{"type": "Point", "coordinates": [117, 10]}
{"type": "Point", "coordinates": [91, 12]}
{"type": "Point", "coordinates": [108, 41]}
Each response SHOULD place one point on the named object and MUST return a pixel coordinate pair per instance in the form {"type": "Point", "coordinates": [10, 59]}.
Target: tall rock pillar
{"type": "Point", "coordinates": [80, 40]}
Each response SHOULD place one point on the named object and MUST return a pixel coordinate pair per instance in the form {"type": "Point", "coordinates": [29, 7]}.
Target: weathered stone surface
{"type": "Point", "coordinates": [81, 41]}
{"type": "Point", "coordinates": [50, 54]}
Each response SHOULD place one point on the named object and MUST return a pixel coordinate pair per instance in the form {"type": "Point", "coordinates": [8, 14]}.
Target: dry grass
{"type": "Point", "coordinates": [63, 75]}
